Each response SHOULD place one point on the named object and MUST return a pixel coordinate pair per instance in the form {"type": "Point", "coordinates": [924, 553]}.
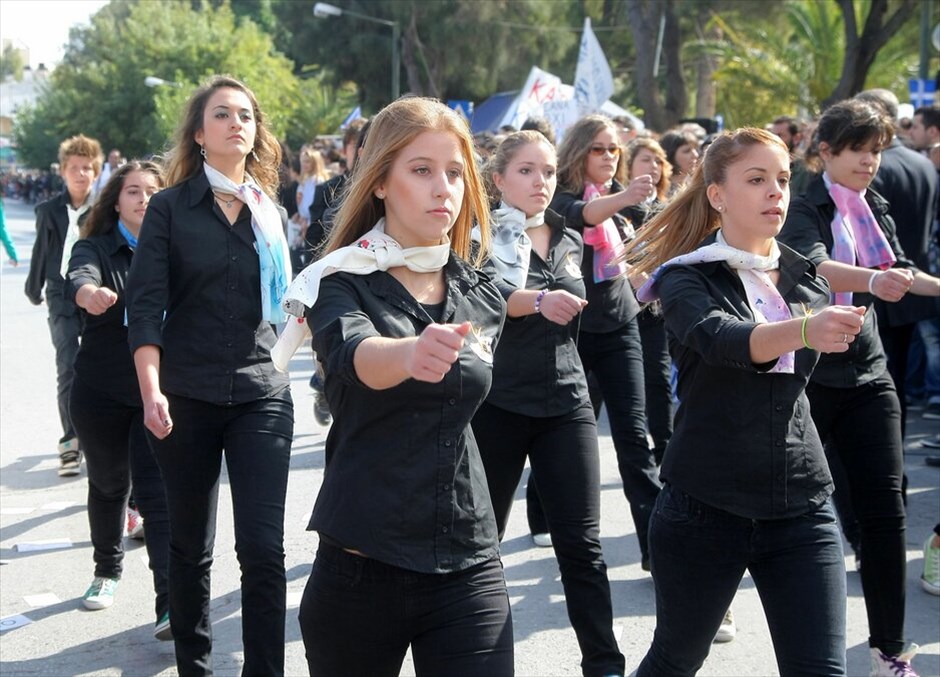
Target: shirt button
{"type": "Point", "coordinates": [234, 258]}
{"type": "Point", "coordinates": [444, 530]}
{"type": "Point", "coordinates": [452, 401]}
{"type": "Point", "coordinates": [446, 443]}
{"type": "Point", "coordinates": [228, 345]}
{"type": "Point", "coordinates": [778, 444]}
{"type": "Point", "coordinates": [778, 408]}
{"type": "Point", "coordinates": [232, 287]}
{"type": "Point", "coordinates": [446, 487]}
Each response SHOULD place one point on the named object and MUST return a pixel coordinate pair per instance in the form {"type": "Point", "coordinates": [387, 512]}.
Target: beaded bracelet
{"type": "Point", "coordinates": [803, 332]}
{"type": "Point", "coordinates": [538, 300]}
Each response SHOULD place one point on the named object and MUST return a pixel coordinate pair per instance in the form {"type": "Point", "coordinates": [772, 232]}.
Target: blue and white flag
{"type": "Point", "coordinates": [593, 81]}
{"type": "Point", "coordinates": [923, 92]}
{"type": "Point", "coordinates": [355, 115]}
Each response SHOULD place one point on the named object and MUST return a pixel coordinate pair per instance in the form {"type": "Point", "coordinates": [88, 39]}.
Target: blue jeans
{"type": "Point", "coordinates": [256, 439]}
{"type": "Point", "coordinates": [358, 617]}
{"type": "Point", "coordinates": [699, 556]}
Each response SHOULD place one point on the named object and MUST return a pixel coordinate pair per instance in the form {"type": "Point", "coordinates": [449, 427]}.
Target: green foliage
{"type": "Point", "coordinates": [99, 88]}
{"type": "Point", "coordinates": [11, 64]}
{"type": "Point", "coordinates": [456, 49]}
{"type": "Point", "coordinates": [788, 68]}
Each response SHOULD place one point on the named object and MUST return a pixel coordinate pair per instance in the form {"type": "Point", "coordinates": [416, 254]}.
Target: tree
{"type": "Point", "coordinates": [99, 88]}
{"type": "Point", "coordinates": [861, 49]}
{"type": "Point", "coordinates": [451, 49]}
{"type": "Point", "coordinates": [645, 18]}
{"type": "Point", "coordinates": [11, 63]}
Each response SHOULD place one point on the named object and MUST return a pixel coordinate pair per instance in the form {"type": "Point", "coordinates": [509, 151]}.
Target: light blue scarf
{"type": "Point", "coordinates": [270, 242]}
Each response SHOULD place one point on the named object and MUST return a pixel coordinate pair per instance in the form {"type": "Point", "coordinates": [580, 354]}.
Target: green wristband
{"type": "Point", "coordinates": [803, 332]}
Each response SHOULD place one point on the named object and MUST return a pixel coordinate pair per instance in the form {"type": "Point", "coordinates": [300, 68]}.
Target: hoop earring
{"type": "Point", "coordinates": [202, 151]}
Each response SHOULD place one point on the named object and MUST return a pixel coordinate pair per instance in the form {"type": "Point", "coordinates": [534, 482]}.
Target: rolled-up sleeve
{"type": "Point", "coordinates": [84, 268]}
{"type": "Point", "coordinates": [148, 280]}
{"type": "Point", "coordinates": [339, 325]}
{"type": "Point", "coordinates": [694, 317]}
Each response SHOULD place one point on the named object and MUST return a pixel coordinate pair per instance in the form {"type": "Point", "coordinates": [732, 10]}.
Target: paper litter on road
{"type": "Point", "coordinates": [42, 599]}
{"type": "Point", "coordinates": [48, 544]}
{"type": "Point", "coordinates": [10, 622]}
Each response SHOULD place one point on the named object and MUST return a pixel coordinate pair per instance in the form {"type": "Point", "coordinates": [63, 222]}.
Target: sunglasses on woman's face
{"type": "Point", "coordinates": [600, 150]}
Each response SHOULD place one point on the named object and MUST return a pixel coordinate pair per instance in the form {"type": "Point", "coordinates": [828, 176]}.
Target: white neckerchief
{"type": "Point", "coordinates": [270, 241]}
{"type": "Point", "coordinates": [372, 252]}
{"type": "Point", "coordinates": [511, 246]}
{"type": "Point", "coordinates": [71, 234]}
{"type": "Point", "coordinates": [763, 298]}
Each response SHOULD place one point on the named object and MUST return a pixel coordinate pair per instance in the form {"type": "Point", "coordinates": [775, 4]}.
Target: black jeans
{"type": "Point", "coordinates": [657, 366]}
{"type": "Point", "coordinates": [862, 425]}
{"type": "Point", "coordinates": [65, 331]}
{"type": "Point", "coordinates": [699, 556]}
{"type": "Point", "coordinates": [358, 616]}
{"type": "Point", "coordinates": [563, 453]}
{"type": "Point", "coordinates": [117, 455]}
{"type": "Point", "coordinates": [256, 439]}
{"type": "Point", "coordinates": [616, 360]}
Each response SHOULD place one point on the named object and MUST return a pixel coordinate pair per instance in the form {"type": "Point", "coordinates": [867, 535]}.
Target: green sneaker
{"type": "Point", "coordinates": [162, 630]}
{"type": "Point", "coordinates": [930, 579]}
{"type": "Point", "coordinates": [100, 594]}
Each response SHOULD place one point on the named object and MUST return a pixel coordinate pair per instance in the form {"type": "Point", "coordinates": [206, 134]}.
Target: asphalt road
{"type": "Point", "coordinates": [62, 638]}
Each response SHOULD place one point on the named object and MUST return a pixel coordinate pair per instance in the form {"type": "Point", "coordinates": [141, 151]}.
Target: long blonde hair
{"type": "Point", "coordinates": [185, 161]}
{"type": "Point", "coordinates": [503, 155]}
{"type": "Point", "coordinates": [574, 149]}
{"type": "Point", "coordinates": [396, 126]}
{"type": "Point", "coordinates": [318, 170]}
{"type": "Point", "coordinates": [689, 216]}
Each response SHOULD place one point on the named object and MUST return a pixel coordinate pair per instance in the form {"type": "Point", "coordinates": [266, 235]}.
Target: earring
{"type": "Point", "coordinates": [719, 208]}
{"type": "Point", "coordinates": [254, 155]}
{"type": "Point", "coordinates": [380, 195]}
{"type": "Point", "coordinates": [202, 151]}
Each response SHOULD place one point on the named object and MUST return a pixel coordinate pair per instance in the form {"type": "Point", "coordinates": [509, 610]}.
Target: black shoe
{"type": "Point", "coordinates": [321, 409]}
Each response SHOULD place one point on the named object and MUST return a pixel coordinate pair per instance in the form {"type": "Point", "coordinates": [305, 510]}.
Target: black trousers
{"type": "Point", "coordinates": [562, 451]}
{"type": "Point", "coordinates": [358, 617]}
{"type": "Point", "coordinates": [256, 440]}
{"type": "Point", "coordinates": [117, 455]}
{"type": "Point", "coordinates": [65, 331]}
{"type": "Point", "coordinates": [862, 425]}
{"type": "Point", "coordinates": [615, 360]}
{"type": "Point", "coordinates": [657, 367]}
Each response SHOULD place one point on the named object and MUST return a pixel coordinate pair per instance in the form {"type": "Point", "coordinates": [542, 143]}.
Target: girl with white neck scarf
{"type": "Point", "coordinates": [405, 326]}
{"type": "Point", "coordinates": [539, 406]}
{"type": "Point", "coordinates": [745, 482]}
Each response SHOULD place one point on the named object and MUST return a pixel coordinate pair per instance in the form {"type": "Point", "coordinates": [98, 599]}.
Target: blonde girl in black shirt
{"type": "Point", "coordinates": [405, 327]}
{"type": "Point", "coordinates": [539, 405]}
{"type": "Point", "coordinates": [746, 485]}
{"type": "Point", "coordinates": [206, 284]}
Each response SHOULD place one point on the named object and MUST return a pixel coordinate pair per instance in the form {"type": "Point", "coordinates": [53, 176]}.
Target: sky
{"type": "Point", "coordinates": [43, 25]}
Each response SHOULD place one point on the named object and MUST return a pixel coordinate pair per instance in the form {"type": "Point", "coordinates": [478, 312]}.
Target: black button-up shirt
{"type": "Point", "coordinates": [744, 440]}
{"type": "Point", "coordinates": [611, 303]}
{"type": "Point", "coordinates": [204, 273]}
{"type": "Point", "coordinates": [808, 230]}
{"type": "Point", "coordinates": [404, 482]}
{"type": "Point", "coordinates": [537, 370]}
{"type": "Point", "coordinates": [104, 360]}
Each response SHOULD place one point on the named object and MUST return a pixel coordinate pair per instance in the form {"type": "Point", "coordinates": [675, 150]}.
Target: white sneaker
{"type": "Point", "coordinates": [542, 540]}
{"type": "Point", "coordinates": [893, 666]}
{"type": "Point", "coordinates": [100, 594]}
{"type": "Point", "coordinates": [135, 524]}
{"type": "Point", "coordinates": [727, 630]}
{"type": "Point", "coordinates": [70, 457]}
